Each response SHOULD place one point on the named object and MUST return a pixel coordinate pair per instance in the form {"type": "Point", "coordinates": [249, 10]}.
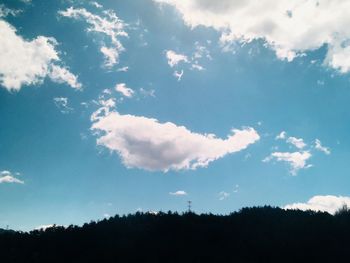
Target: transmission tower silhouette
{"type": "Point", "coordinates": [189, 206]}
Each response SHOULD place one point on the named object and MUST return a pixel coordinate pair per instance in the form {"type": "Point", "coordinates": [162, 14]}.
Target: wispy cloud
{"type": "Point", "coordinates": [8, 177]}
{"type": "Point", "coordinates": [281, 136]}
{"type": "Point", "coordinates": [175, 58]}
{"type": "Point", "coordinates": [124, 90]}
{"type": "Point", "coordinates": [148, 93]}
{"type": "Point", "coordinates": [178, 74]}
{"type": "Point", "coordinates": [297, 142]}
{"type": "Point", "coordinates": [5, 11]}
{"type": "Point", "coordinates": [62, 104]}
{"type": "Point", "coordinates": [296, 160]}
{"type": "Point", "coordinates": [320, 147]}
{"type": "Point", "coordinates": [178, 193]}
{"type": "Point", "coordinates": [123, 69]}
{"type": "Point", "coordinates": [96, 4]}
{"type": "Point", "coordinates": [107, 24]}
{"type": "Point", "coordinates": [223, 195]}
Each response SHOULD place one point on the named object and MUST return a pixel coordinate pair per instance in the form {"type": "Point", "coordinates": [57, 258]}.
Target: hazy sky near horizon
{"type": "Point", "coordinates": [113, 107]}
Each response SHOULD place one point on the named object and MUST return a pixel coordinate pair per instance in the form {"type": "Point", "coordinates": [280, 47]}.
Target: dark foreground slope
{"type": "Point", "coordinates": [251, 235]}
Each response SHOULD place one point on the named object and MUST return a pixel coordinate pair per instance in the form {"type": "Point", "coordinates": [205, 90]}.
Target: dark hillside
{"type": "Point", "coordinates": [251, 235]}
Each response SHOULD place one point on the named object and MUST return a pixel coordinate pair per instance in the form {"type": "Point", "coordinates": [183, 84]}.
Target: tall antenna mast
{"type": "Point", "coordinates": [189, 206]}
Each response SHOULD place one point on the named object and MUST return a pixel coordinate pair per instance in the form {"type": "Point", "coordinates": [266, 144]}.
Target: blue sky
{"type": "Point", "coordinates": [114, 107]}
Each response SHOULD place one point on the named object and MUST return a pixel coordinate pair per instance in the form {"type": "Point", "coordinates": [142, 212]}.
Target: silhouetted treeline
{"type": "Point", "coordinates": [263, 234]}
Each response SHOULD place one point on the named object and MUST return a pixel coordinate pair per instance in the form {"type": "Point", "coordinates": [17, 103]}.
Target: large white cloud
{"type": "Point", "coordinates": [324, 203]}
{"type": "Point", "coordinates": [290, 28]}
{"type": "Point", "coordinates": [108, 24]}
{"type": "Point", "coordinates": [148, 144]}
{"type": "Point", "coordinates": [25, 62]}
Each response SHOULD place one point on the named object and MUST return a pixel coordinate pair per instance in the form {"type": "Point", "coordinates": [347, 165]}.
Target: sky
{"type": "Point", "coordinates": [113, 107]}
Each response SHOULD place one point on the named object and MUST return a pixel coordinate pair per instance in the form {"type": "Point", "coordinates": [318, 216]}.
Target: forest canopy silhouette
{"type": "Point", "coordinates": [258, 234]}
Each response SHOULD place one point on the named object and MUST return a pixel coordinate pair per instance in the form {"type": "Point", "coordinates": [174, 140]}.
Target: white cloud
{"type": "Point", "coordinates": [108, 24]}
{"type": "Point", "coordinates": [146, 143]}
{"type": "Point", "coordinates": [247, 156]}
{"type": "Point", "coordinates": [197, 67]}
{"type": "Point", "coordinates": [201, 51]}
{"type": "Point", "coordinates": [63, 75]}
{"type": "Point", "coordinates": [107, 91]}
{"type": "Point", "coordinates": [84, 104]}
{"type": "Point", "coordinates": [29, 62]}
{"type": "Point", "coordinates": [223, 195]}
{"type": "Point", "coordinates": [178, 74]}
{"type": "Point", "coordinates": [8, 177]}
{"type": "Point", "coordinates": [107, 105]}
{"type": "Point", "coordinates": [281, 136]}
{"type": "Point", "coordinates": [320, 82]}
{"type": "Point", "coordinates": [296, 160]}
{"type": "Point", "coordinates": [318, 146]}
{"type": "Point", "coordinates": [178, 193]}
{"type": "Point", "coordinates": [111, 56]}
{"type": "Point", "coordinates": [290, 28]}
{"type": "Point", "coordinates": [4, 11]}
{"type": "Point", "coordinates": [297, 142]}
{"type": "Point", "coordinates": [236, 188]}
{"type": "Point", "coordinates": [175, 58]}
{"type": "Point", "coordinates": [62, 104]}
{"type": "Point", "coordinates": [123, 89]}
{"type": "Point", "coordinates": [123, 69]}
{"type": "Point", "coordinates": [338, 56]}
{"type": "Point", "coordinates": [148, 93]}
{"type": "Point", "coordinates": [97, 5]}
{"type": "Point", "coordinates": [324, 203]}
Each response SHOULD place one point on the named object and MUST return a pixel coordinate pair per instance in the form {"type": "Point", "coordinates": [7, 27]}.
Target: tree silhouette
{"type": "Point", "coordinates": [257, 234]}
